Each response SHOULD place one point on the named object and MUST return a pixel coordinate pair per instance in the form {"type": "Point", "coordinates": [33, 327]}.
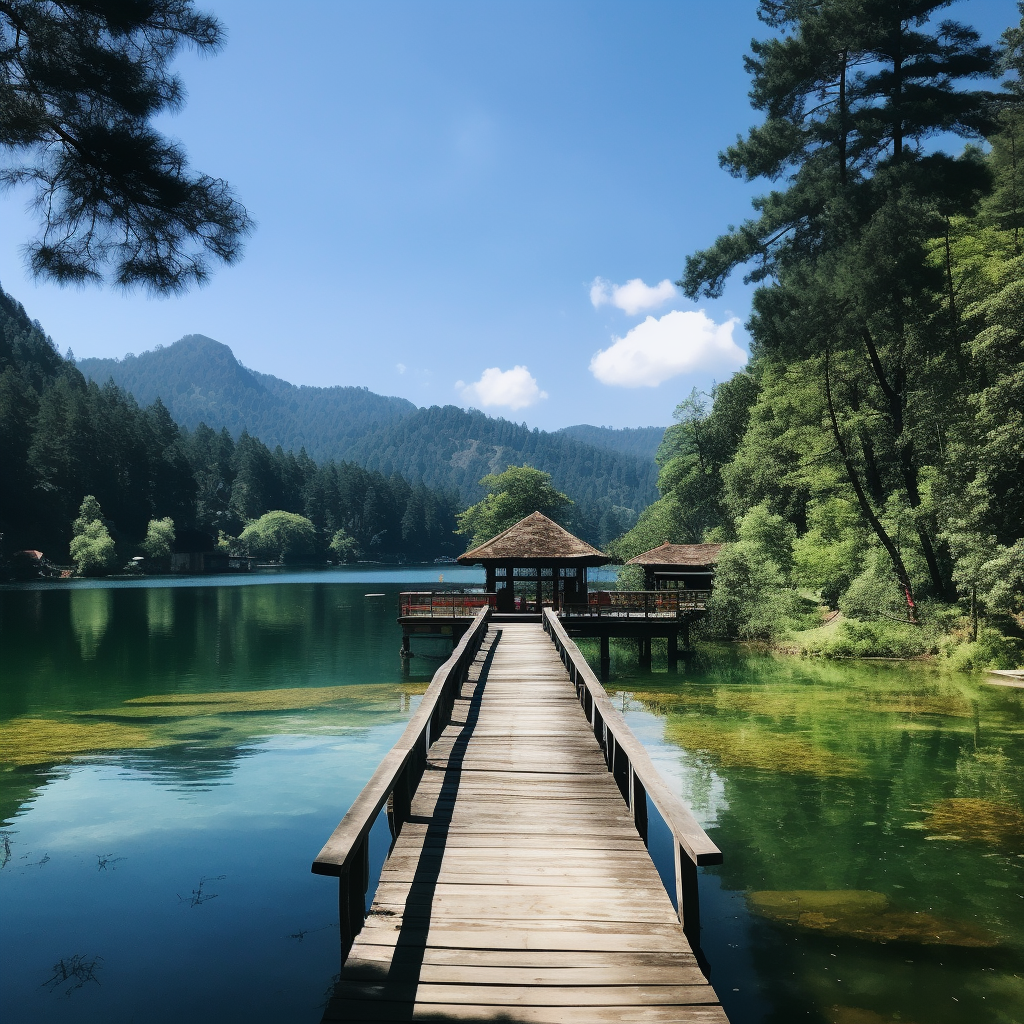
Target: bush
{"type": "Point", "coordinates": [92, 547]}
{"type": "Point", "coordinates": [282, 535]}
{"type": "Point", "coordinates": [750, 598]}
{"type": "Point", "coordinates": [990, 650]}
{"type": "Point", "coordinates": [344, 546]}
{"type": "Point", "coordinates": [856, 639]}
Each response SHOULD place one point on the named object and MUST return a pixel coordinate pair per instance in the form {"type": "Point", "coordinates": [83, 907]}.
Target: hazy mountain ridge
{"type": "Point", "coordinates": [450, 447]}
{"type": "Point", "coordinates": [642, 442]}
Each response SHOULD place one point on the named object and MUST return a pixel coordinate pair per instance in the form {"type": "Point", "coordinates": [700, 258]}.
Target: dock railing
{"type": "Point", "coordinates": [430, 604]}
{"type": "Point", "coordinates": [638, 780]}
{"type": "Point", "coordinates": [346, 854]}
{"type": "Point", "coordinates": [638, 604]}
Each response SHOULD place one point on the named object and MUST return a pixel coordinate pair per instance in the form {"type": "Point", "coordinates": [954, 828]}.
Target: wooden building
{"type": "Point", "coordinates": [535, 563]}
{"type": "Point", "coordinates": [679, 566]}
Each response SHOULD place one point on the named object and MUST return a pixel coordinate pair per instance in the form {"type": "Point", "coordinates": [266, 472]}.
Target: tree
{"type": "Point", "coordinates": [850, 95]}
{"type": "Point", "coordinates": [80, 85]}
{"type": "Point", "coordinates": [281, 535]}
{"type": "Point", "coordinates": [511, 496]}
{"type": "Point", "coordinates": [92, 548]}
{"type": "Point", "coordinates": [344, 546]}
{"type": "Point", "coordinates": [159, 540]}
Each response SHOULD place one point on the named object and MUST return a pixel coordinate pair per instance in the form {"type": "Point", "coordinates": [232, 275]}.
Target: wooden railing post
{"type": "Point", "coordinates": [687, 895]}
{"type": "Point", "coordinates": [638, 803]}
{"type": "Point", "coordinates": [352, 885]}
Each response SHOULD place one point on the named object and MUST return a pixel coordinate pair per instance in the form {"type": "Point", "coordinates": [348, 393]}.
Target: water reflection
{"type": "Point", "coordinates": [90, 616]}
{"type": "Point", "coordinates": [872, 818]}
{"type": "Point", "coordinates": [174, 735]}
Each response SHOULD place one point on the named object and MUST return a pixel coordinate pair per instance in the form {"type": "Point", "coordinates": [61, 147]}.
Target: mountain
{"type": "Point", "coordinates": [642, 442]}
{"type": "Point", "coordinates": [450, 447]}
{"type": "Point", "coordinates": [610, 473]}
{"type": "Point", "coordinates": [201, 381]}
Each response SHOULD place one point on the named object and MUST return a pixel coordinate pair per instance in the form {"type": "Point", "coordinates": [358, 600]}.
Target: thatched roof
{"type": "Point", "coordinates": [534, 539]}
{"type": "Point", "coordinates": [679, 554]}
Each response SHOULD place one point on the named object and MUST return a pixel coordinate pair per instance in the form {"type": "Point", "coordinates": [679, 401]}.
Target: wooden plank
{"type": "Point", "coordinates": [529, 995]}
{"type": "Point", "coordinates": [378, 1010]}
{"type": "Point", "coordinates": [520, 889]}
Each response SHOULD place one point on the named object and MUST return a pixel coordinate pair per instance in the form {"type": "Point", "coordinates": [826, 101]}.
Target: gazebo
{"type": "Point", "coordinates": [534, 563]}
{"type": "Point", "coordinates": [679, 566]}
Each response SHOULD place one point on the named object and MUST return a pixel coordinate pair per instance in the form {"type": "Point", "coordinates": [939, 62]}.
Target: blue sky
{"type": "Point", "coordinates": [451, 197]}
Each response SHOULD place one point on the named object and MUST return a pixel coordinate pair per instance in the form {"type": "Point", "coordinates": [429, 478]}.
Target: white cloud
{"type": "Point", "coordinates": [632, 297]}
{"type": "Point", "coordinates": [400, 367]}
{"type": "Point", "coordinates": [676, 343]}
{"type": "Point", "coordinates": [515, 388]}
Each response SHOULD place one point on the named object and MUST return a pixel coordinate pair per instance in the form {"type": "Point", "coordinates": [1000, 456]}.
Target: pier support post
{"type": "Point", "coordinates": [406, 654]}
{"type": "Point", "coordinates": [606, 660]}
{"type": "Point", "coordinates": [645, 653]}
{"type": "Point", "coordinates": [673, 651]}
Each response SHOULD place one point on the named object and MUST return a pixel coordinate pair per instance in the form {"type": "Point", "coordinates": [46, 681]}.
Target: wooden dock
{"type": "Point", "coordinates": [519, 886]}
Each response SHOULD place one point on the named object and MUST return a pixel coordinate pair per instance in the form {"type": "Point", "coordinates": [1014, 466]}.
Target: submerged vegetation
{"type": "Point", "coordinates": [865, 915]}
{"type": "Point", "coordinates": [143, 723]}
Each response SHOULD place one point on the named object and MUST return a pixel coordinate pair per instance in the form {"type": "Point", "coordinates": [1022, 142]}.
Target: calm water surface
{"type": "Point", "coordinates": [174, 756]}
{"type": "Point", "coordinates": [870, 817]}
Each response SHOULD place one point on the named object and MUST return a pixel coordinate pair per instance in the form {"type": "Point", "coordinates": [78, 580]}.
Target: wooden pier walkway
{"type": "Point", "coordinates": [519, 886]}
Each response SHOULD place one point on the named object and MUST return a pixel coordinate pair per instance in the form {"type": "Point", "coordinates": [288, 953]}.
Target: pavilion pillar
{"type": "Point", "coordinates": [673, 651]}
{"type": "Point", "coordinates": [540, 591]}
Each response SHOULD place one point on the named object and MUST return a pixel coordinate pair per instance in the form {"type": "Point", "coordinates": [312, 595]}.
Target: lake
{"type": "Point", "coordinates": [174, 754]}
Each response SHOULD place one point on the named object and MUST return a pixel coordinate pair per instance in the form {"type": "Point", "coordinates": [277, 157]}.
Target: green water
{"type": "Point", "coordinates": [870, 817]}
{"type": "Point", "coordinates": [172, 757]}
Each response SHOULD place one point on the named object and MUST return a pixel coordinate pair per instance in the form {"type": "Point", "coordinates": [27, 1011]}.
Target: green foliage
{"type": "Point", "coordinates": [159, 540]}
{"type": "Point", "coordinates": [695, 451]}
{"type": "Point", "coordinates": [878, 639]}
{"type": "Point", "coordinates": [752, 598]}
{"type": "Point", "coordinates": [991, 650]}
{"type": "Point", "coordinates": [92, 548]}
{"type": "Point", "coordinates": [80, 87]}
{"type": "Point", "coordinates": [829, 556]}
{"type": "Point", "coordinates": [280, 535]}
{"type": "Point", "coordinates": [609, 473]}
{"type": "Point", "coordinates": [511, 496]}
{"type": "Point", "coordinates": [343, 546]}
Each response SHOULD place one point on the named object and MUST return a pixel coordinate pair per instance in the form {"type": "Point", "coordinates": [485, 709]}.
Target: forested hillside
{"type": "Point", "coordinates": [201, 381]}
{"type": "Point", "coordinates": [448, 447]}
{"type": "Point", "coordinates": [642, 442]}
{"type": "Point", "coordinates": [62, 438]}
{"type": "Point", "coordinates": [609, 474]}
{"type": "Point", "coordinates": [872, 454]}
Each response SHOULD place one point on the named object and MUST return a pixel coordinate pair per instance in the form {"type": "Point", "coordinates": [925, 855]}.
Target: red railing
{"type": "Point", "coordinates": [638, 604]}
{"type": "Point", "coordinates": [443, 605]}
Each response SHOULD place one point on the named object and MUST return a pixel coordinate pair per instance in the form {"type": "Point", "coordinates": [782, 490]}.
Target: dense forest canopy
{"type": "Point", "coordinates": [63, 438]}
{"type": "Point", "coordinates": [610, 474]}
{"type": "Point", "coordinates": [872, 453]}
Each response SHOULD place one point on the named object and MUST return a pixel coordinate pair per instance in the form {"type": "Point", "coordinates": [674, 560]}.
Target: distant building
{"type": "Point", "coordinates": [679, 566]}
{"type": "Point", "coordinates": [194, 553]}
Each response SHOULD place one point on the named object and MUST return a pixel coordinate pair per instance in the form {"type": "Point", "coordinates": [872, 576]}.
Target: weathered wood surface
{"type": "Point", "coordinates": [518, 888]}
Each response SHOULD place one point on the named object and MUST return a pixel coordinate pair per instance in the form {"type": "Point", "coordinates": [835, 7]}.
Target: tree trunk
{"type": "Point", "coordinates": [894, 398]}
{"type": "Point", "coordinates": [865, 506]}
